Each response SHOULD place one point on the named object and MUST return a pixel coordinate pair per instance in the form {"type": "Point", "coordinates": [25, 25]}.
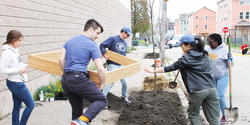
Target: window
{"type": "Point", "coordinates": [241, 2]}
{"type": "Point", "coordinates": [206, 17]}
{"type": "Point", "coordinates": [225, 17]}
{"type": "Point", "coordinates": [241, 15]}
{"type": "Point", "coordinates": [247, 1]}
{"type": "Point", "coordinates": [247, 15]}
{"type": "Point", "coordinates": [197, 17]}
{"type": "Point", "coordinates": [197, 26]}
{"type": "Point", "coordinates": [205, 26]}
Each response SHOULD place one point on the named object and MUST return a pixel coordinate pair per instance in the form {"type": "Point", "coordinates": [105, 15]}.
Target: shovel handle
{"type": "Point", "coordinates": [176, 75]}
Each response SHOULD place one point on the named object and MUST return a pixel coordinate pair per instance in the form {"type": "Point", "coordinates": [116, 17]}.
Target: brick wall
{"type": "Point", "coordinates": [48, 24]}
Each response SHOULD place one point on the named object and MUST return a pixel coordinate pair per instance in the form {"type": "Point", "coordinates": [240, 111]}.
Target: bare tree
{"type": "Point", "coordinates": [150, 10]}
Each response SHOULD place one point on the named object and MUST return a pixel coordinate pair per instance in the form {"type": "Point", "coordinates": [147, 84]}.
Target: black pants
{"type": "Point", "coordinates": [77, 86]}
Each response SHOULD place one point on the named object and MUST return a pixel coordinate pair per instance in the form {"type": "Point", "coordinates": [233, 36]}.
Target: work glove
{"type": "Point", "coordinates": [230, 57]}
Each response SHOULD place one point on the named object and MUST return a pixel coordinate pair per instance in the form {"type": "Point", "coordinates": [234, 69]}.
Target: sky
{"type": "Point", "coordinates": [176, 7]}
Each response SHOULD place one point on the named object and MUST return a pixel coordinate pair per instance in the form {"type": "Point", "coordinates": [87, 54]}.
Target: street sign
{"type": "Point", "coordinates": [225, 29]}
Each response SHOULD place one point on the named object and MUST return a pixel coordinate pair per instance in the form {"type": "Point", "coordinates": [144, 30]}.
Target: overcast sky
{"type": "Point", "coordinates": [176, 7]}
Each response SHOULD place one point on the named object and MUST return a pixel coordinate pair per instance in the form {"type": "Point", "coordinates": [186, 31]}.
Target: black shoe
{"type": "Point", "coordinates": [124, 99]}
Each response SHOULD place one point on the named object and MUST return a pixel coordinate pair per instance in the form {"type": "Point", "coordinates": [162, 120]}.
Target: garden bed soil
{"type": "Point", "coordinates": [151, 55]}
{"type": "Point", "coordinates": [164, 108]}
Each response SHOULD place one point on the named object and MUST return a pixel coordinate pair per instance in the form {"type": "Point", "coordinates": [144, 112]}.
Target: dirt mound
{"type": "Point", "coordinates": [115, 103]}
{"type": "Point", "coordinates": [151, 55]}
{"type": "Point", "coordinates": [161, 83]}
{"type": "Point", "coordinates": [147, 109]}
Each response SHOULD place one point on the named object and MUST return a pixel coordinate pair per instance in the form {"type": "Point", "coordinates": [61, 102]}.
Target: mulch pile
{"type": "Point", "coordinates": [164, 108]}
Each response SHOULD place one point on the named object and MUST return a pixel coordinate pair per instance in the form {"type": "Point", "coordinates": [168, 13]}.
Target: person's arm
{"type": "Point", "coordinates": [5, 61]}
{"type": "Point", "coordinates": [62, 59]}
{"type": "Point", "coordinates": [157, 70]}
{"type": "Point", "coordinates": [100, 70]}
{"type": "Point", "coordinates": [106, 44]}
{"type": "Point", "coordinates": [178, 64]}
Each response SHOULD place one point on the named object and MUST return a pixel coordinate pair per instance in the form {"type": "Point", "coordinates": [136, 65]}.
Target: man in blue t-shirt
{"type": "Point", "coordinates": [119, 45]}
{"type": "Point", "coordinates": [75, 57]}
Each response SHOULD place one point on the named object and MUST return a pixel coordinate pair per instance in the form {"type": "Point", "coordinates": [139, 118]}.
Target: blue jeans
{"type": "Point", "coordinates": [221, 86]}
{"type": "Point", "coordinates": [20, 93]}
{"type": "Point", "coordinates": [107, 88]}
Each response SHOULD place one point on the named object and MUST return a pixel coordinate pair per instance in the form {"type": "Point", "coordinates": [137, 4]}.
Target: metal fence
{"type": "Point", "coordinates": [240, 36]}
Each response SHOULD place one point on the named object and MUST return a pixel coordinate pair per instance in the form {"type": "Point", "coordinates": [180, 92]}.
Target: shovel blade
{"type": "Point", "coordinates": [231, 114]}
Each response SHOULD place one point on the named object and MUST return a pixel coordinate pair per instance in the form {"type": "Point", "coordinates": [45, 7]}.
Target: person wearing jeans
{"type": "Point", "coordinates": [119, 45]}
{"type": "Point", "coordinates": [111, 67]}
{"type": "Point", "coordinates": [12, 64]}
{"type": "Point", "coordinates": [20, 93]}
{"type": "Point", "coordinates": [218, 53]}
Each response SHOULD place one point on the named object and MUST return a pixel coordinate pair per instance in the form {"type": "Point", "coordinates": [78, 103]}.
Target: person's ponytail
{"type": "Point", "coordinates": [200, 46]}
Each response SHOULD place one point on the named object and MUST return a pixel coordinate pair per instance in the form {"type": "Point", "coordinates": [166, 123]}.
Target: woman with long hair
{"type": "Point", "coordinates": [12, 64]}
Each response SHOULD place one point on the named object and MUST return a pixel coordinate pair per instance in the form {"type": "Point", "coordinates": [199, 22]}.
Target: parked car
{"type": "Point", "coordinates": [173, 42]}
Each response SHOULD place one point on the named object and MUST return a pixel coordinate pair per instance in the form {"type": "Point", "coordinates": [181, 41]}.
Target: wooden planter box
{"type": "Point", "coordinates": [48, 62]}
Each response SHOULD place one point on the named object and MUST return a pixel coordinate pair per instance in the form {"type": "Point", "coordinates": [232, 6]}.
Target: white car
{"type": "Point", "coordinates": [174, 41]}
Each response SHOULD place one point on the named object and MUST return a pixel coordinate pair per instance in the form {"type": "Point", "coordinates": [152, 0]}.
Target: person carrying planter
{"type": "Point", "coordinates": [119, 45]}
{"type": "Point", "coordinates": [75, 57]}
{"type": "Point", "coordinates": [196, 70]}
{"type": "Point", "coordinates": [11, 63]}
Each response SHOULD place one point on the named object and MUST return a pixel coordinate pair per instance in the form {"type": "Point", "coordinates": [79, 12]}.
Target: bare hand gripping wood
{"type": "Point", "coordinates": [48, 62]}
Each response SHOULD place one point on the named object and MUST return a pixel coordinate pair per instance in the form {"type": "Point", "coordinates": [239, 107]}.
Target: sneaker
{"type": "Point", "coordinates": [124, 99]}
{"type": "Point", "coordinates": [78, 122]}
{"type": "Point", "coordinates": [223, 119]}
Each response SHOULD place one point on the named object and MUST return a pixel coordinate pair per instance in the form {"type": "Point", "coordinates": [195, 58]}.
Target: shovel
{"type": "Point", "coordinates": [173, 84]}
{"type": "Point", "coordinates": [231, 112]}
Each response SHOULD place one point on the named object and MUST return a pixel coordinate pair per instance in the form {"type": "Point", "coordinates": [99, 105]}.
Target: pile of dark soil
{"type": "Point", "coordinates": [148, 109]}
{"type": "Point", "coordinates": [151, 55]}
{"type": "Point", "coordinates": [115, 103]}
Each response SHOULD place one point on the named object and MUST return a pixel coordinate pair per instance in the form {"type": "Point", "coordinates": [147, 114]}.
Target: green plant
{"type": "Point", "coordinates": [54, 89]}
{"type": "Point", "coordinates": [129, 49]}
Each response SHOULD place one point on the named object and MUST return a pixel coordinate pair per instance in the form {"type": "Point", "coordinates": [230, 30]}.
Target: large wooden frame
{"type": "Point", "coordinates": [48, 62]}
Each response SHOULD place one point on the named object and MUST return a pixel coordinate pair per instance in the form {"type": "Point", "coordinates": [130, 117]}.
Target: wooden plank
{"type": "Point", "coordinates": [48, 62]}
{"type": "Point", "coordinates": [118, 58]}
{"type": "Point", "coordinates": [125, 71]}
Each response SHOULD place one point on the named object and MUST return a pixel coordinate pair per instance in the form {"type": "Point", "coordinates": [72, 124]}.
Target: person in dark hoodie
{"type": "Point", "coordinates": [12, 64]}
{"type": "Point", "coordinates": [196, 71]}
{"type": "Point", "coordinates": [218, 52]}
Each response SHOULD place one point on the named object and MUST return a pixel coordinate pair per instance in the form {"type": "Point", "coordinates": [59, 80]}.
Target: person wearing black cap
{"type": "Point", "coordinates": [196, 71]}
{"type": "Point", "coordinates": [119, 45]}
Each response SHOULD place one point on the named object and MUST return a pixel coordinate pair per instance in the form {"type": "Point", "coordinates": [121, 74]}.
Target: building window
{"type": "Point", "coordinates": [206, 17]}
{"type": "Point", "coordinates": [197, 17]}
{"type": "Point", "coordinates": [197, 26]}
{"type": "Point", "coordinates": [241, 15]}
{"type": "Point", "coordinates": [205, 26]}
{"type": "Point", "coordinates": [247, 1]}
{"type": "Point", "coordinates": [247, 15]}
{"type": "Point", "coordinates": [225, 17]}
{"type": "Point", "coordinates": [241, 2]}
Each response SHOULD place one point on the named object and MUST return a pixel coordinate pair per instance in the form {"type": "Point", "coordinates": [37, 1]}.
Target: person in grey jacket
{"type": "Point", "coordinates": [11, 64]}
{"type": "Point", "coordinates": [196, 71]}
{"type": "Point", "coordinates": [218, 52]}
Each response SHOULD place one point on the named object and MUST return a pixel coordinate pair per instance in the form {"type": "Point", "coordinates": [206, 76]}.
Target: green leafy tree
{"type": "Point", "coordinates": [139, 17]}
